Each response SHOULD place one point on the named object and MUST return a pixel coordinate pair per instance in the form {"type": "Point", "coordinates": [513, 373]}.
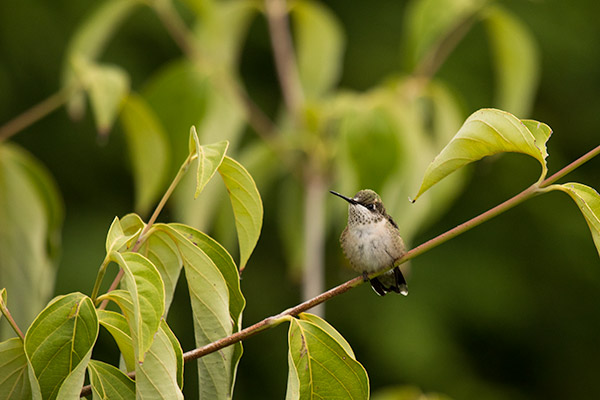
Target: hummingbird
{"type": "Point", "coordinates": [372, 242]}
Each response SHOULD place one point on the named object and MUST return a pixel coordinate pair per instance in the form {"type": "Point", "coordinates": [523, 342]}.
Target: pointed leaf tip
{"type": "Point", "coordinates": [487, 132]}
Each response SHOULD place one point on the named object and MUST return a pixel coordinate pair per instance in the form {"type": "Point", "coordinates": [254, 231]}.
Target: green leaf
{"type": "Point", "coordinates": [116, 237]}
{"type": "Point", "coordinates": [59, 345]}
{"type": "Point", "coordinates": [14, 380]}
{"type": "Point", "coordinates": [515, 60]}
{"type": "Point", "coordinates": [588, 201]}
{"type": "Point", "coordinates": [318, 36]}
{"type": "Point", "coordinates": [31, 215]}
{"type": "Point", "coordinates": [487, 132]}
{"type": "Point", "coordinates": [209, 295]}
{"type": "Point", "coordinates": [116, 324]}
{"type": "Point", "coordinates": [161, 374]}
{"type": "Point", "coordinates": [3, 305]}
{"type": "Point", "coordinates": [321, 323]}
{"type": "Point", "coordinates": [246, 203]}
{"type": "Point", "coordinates": [148, 149]}
{"type": "Point", "coordinates": [210, 158]}
{"type": "Point", "coordinates": [88, 42]}
{"type": "Point", "coordinates": [319, 365]}
{"type": "Point", "coordinates": [107, 87]}
{"type": "Point", "coordinates": [143, 306]}
{"type": "Point", "coordinates": [162, 251]}
{"type": "Point", "coordinates": [109, 382]}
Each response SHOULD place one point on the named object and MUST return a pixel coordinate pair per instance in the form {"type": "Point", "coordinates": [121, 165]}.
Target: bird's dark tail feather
{"type": "Point", "coordinates": [390, 283]}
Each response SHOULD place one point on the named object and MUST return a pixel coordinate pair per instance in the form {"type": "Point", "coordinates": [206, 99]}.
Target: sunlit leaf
{"type": "Point", "coordinates": [516, 61]}
{"type": "Point", "coordinates": [143, 306]}
{"type": "Point", "coordinates": [31, 215]}
{"type": "Point", "coordinates": [160, 375]}
{"type": "Point", "coordinates": [59, 345]}
{"type": "Point", "coordinates": [148, 149]}
{"type": "Point", "coordinates": [320, 367]}
{"type": "Point", "coordinates": [247, 206]}
{"type": "Point", "coordinates": [117, 326]}
{"type": "Point", "coordinates": [588, 201]}
{"type": "Point", "coordinates": [109, 382]}
{"type": "Point", "coordinates": [14, 380]}
{"type": "Point", "coordinates": [116, 238]}
{"type": "Point", "coordinates": [88, 42]}
{"type": "Point", "coordinates": [209, 159]}
{"type": "Point", "coordinates": [319, 36]}
{"type": "Point", "coordinates": [484, 133]}
{"type": "Point", "coordinates": [321, 323]}
{"type": "Point", "coordinates": [209, 295]}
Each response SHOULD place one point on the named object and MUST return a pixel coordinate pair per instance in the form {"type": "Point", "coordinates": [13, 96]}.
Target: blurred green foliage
{"type": "Point", "coordinates": [507, 311]}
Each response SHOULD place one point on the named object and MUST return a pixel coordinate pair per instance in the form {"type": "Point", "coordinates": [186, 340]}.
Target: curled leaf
{"type": "Point", "coordinates": [487, 132]}
{"type": "Point", "coordinates": [209, 159]}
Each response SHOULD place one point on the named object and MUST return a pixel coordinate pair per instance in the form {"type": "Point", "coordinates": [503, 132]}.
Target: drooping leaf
{"type": "Point", "coordinates": [148, 149]}
{"type": "Point", "coordinates": [109, 382]}
{"type": "Point", "coordinates": [14, 379]}
{"type": "Point", "coordinates": [247, 206]}
{"type": "Point", "coordinates": [484, 133]}
{"type": "Point", "coordinates": [320, 367]}
{"type": "Point", "coordinates": [516, 61]}
{"type": "Point", "coordinates": [116, 324]}
{"type": "Point", "coordinates": [209, 294]}
{"type": "Point", "coordinates": [31, 215]}
{"type": "Point", "coordinates": [162, 251]}
{"type": "Point", "coordinates": [160, 376]}
{"type": "Point", "coordinates": [319, 36]}
{"type": "Point", "coordinates": [209, 159]}
{"type": "Point", "coordinates": [142, 302]}
{"type": "Point", "coordinates": [88, 42]}
{"type": "Point", "coordinates": [59, 345]}
{"type": "Point", "coordinates": [588, 201]}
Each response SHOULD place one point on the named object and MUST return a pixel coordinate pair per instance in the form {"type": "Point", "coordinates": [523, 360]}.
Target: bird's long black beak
{"type": "Point", "coordinates": [348, 199]}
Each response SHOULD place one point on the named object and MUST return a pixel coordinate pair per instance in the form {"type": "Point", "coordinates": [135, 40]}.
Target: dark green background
{"type": "Point", "coordinates": [509, 310]}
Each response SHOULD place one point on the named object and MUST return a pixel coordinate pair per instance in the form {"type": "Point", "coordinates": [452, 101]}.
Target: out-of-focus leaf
{"type": "Point", "coordinates": [484, 133]}
{"type": "Point", "coordinates": [516, 61]}
{"type": "Point", "coordinates": [319, 36]}
{"type": "Point", "coordinates": [148, 149]}
{"type": "Point", "coordinates": [406, 393]}
{"type": "Point", "coordinates": [107, 87]}
{"type": "Point", "coordinates": [160, 375]}
{"type": "Point", "coordinates": [588, 201]}
{"type": "Point", "coordinates": [116, 238]}
{"type": "Point", "coordinates": [246, 203]}
{"type": "Point", "coordinates": [162, 251]}
{"type": "Point", "coordinates": [14, 380]}
{"type": "Point", "coordinates": [117, 326]}
{"type": "Point", "coordinates": [427, 25]}
{"type": "Point", "coordinates": [209, 159]}
{"type": "Point", "coordinates": [143, 306]}
{"type": "Point", "coordinates": [59, 345]}
{"type": "Point", "coordinates": [209, 294]}
{"type": "Point", "coordinates": [31, 215]}
{"type": "Point", "coordinates": [109, 382]}
{"type": "Point", "coordinates": [319, 366]}
{"type": "Point", "coordinates": [88, 42]}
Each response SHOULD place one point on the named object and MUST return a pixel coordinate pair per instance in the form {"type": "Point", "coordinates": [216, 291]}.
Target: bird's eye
{"type": "Point", "coordinates": [371, 207]}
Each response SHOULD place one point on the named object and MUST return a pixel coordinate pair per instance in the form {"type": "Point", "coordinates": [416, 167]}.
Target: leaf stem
{"type": "Point", "coordinates": [11, 320]}
{"type": "Point", "coordinates": [33, 114]}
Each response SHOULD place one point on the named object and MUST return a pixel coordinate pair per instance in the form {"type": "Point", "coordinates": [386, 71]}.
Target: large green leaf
{"type": "Point", "coordinates": [14, 380]}
{"type": "Point", "coordinates": [319, 365]}
{"type": "Point", "coordinates": [142, 302]}
{"type": "Point", "coordinates": [109, 382]}
{"type": "Point", "coordinates": [88, 42]}
{"type": "Point", "coordinates": [484, 133]}
{"type": "Point", "coordinates": [30, 219]}
{"type": "Point", "coordinates": [209, 295]}
{"type": "Point", "coordinates": [319, 37]}
{"type": "Point", "coordinates": [116, 324]}
{"type": "Point", "coordinates": [149, 151]}
{"type": "Point", "coordinates": [516, 61]}
{"type": "Point", "coordinates": [59, 345]}
{"type": "Point", "coordinates": [209, 159]}
{"type": "Point", "coordinates": [246, 203]}
{"type": "Point", "coordinates": [588, 201]}
{"type": "Point", "coordinates": [160, 376]}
